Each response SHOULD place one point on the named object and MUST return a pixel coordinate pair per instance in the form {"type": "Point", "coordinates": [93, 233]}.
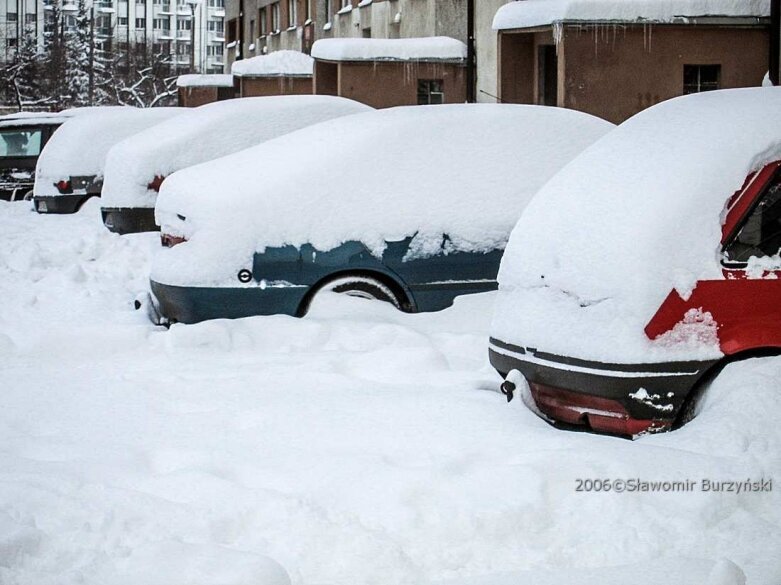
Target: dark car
{"type": "Point", "coordinates": [22, 137]}
{"type": "Point", "coordinates": [421, 217]}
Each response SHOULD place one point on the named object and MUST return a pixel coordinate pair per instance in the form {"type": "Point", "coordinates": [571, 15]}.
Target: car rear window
{"type": "Point", "coordinates": [20, 142]}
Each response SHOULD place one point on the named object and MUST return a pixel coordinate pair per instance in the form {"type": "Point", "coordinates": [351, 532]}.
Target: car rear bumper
{"type": "Point", "coordinates": [129, 220]}
{"type": "Point", "coordinates": [621, 399]}
{"type": "Point", "coordinates": [191, 304]}
{"type": "Point", "coordinates": [60, 203]}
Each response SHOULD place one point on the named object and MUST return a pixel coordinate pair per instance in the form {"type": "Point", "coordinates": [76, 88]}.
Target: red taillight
{"type": "Point", "coordinates": [155, 183]}
{"type": "Point", "coordinates": [169, 241]}
{"type": "Point", "coordinates": [64, 186]}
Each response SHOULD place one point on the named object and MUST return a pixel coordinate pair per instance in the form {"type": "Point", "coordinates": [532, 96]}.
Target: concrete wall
{"type": "Point", "coordinates": [384, 85]}
{"type": "Point", "coordinates": [616, 71]}
{"type": "Point", "coordinates": [486, 49]}
{"type": "Point", "coordinates": [265, 86]}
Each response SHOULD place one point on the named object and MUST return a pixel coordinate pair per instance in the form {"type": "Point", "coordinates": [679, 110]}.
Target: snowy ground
{"type": "Point", "coordinates": [356, 446]}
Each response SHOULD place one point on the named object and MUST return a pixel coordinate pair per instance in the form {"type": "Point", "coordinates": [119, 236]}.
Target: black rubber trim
{"type": "Point", "coordinates": [61, 204]}
{"type": "Point", "coordinates": [688, 367]}
{"type": "Point", "coordinates": [129, 220]}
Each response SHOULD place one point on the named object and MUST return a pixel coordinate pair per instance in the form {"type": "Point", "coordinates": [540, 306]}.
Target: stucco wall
{"type": "Point", "coordinates": [264, 86]}
{"type": "Point", "coordinates": [384, 85]}
{"type": "Point", "coordinates": [616, 71]}
{"type": "Point", "coordinates": [486, 49]}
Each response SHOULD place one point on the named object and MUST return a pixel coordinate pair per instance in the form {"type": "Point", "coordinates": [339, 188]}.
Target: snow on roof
{"type": "Point", "coordinates": [531, 13]}
{"type": "Point", "coordinates": [420, 49]}
{"type": "Point", "coordinates": [462, 170]}
{"type": "Point", "coordinates": [635, 216]}
{"type": "Point", "coordinates": [278, 63]}
{"type": "Point", "coordinates": [211, 80]}
{"type": "Point", "coordinates": [208, 132]}
{"type": "Point", "coordinates": [79, 147]}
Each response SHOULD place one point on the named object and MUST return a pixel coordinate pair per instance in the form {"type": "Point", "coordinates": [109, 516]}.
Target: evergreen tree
{"type": "Point", "coordinates": [79, 49]}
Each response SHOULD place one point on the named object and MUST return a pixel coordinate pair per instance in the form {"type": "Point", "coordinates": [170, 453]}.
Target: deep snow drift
{"type": "Point", "coordinates": [356, 446]}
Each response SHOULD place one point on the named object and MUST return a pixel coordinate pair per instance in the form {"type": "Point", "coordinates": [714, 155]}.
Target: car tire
{"type": "Point", "coordinates": [363, 287]}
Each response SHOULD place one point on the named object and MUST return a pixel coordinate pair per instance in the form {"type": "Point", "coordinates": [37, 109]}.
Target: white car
{"type": "Point", "coordinates": [137, 166]}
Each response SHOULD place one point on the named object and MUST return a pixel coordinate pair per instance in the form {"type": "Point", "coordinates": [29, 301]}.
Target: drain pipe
{"type": "Point", "coordinates": [471, 97]}
{"type": "Point", "coordinates": [775, 42]}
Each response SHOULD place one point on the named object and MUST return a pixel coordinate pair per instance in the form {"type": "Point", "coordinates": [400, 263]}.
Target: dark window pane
{"type": "Point", "coordinates": [760, 234]}
{"type": "Point", "coordinates": [431, 91]}
{"type": "Point", "coordinates": [699, 78]}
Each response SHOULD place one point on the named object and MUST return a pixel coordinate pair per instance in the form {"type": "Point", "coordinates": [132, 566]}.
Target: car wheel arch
{"type": "Point", "coordinates": [400, 290]}
{"type": "Point", "coordinates": [687, 411]}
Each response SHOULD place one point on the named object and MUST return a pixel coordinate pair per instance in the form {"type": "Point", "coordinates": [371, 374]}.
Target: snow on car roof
{"type": "Point", "coordinates": [635, 216]}
{"type": "Point", "coordinates": [210, 80]}
{"type": "Point", "coordinates": [462, 170]}
{"type": "Point", "coordinates": [80, 145]}
{"type": "Point", "coordinates": [276, 64]}
{"type": "Point", "coordinates": [32, 119]}
{"type": "Point", "coordinates": [205, 133]}
{"type": "Point", "coordinates": [412, 49]}
{"type": "Point", "coordinates": [531, 13]}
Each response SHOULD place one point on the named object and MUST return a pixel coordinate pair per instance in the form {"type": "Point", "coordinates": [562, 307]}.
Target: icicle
{"type": "Point", "coordinates": [558, 33]}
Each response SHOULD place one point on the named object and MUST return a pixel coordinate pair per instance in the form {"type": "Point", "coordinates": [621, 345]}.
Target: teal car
{"type": "Point", "coordinates": [423, 219]}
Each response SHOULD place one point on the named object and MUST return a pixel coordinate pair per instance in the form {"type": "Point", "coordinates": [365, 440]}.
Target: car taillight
{"type": "Point", "coordinates": [64, 186]}
{"type": "Point", "coordinates": [155, 183]}
{"type": "Point", "coordinates": [169, 241]}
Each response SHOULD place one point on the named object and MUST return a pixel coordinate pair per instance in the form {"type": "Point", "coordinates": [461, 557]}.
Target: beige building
{"type": "Point", "coordinates": [255, 27]}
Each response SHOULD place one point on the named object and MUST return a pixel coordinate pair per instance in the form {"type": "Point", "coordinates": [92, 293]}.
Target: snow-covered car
{"type": "Point", "coordinates": [410, 205]}
{"type": "Point", "coordinates": [647, 264]}
{"type": "Point", "coordinates": [137, 166]}
{"type": "Point", "coordinates": [70, 167]}
{"type": "Point", "coordinates": [22, 136]}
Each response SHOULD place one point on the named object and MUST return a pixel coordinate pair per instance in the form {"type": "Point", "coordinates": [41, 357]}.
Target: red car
{"type": "Point", "coordinates": [689, 273]}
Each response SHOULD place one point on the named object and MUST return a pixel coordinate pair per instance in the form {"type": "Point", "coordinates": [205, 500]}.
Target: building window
{"type": "Point", "coordinates": [251, 31]}
{"type": "Point", "coordinates": [346, 3]}
{"type": "Point", "coordinates": [11, 43]}
{"type": "Point", "coordinates": [13, 17]}
{"type": "Point", "coordinates": [292, 13]}
{"type": "Point", "coordinates": [309, 9]}
{"type": "Point", "coordinates": [159, 23]}
{"type": "Point", "coordinates": [430, 91]}
{"type": "Point", "coordinates": [263, 22]}
{"type": "Point", "coordinates": [217, 3]}
{"type": "Point", "coordinates": [141, 23]}
{"type": "Point", "coordinates": [214, 50]}
{"type": "Point", "coordinates": [275, 17]}
{"type": "Point", "coordinates": [328, 10]}
{"type": "Point", "coordinates": [699, 78]}
{"type": "Point", "coordinates": [215, 26]}
{"type": "Point", "coordinates": [547, 75]}
{"type": "Point", "coordinates": [122, 20]}
{"type": "Point", "coordinates": [184, 24]}
{"type": "Point", "coordinates": [29, 19]}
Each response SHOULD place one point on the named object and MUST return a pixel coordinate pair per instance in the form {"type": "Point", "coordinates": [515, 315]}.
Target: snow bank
{"type": "Point", "coordinates": [208, 132]}
{"type": "Point", "coordinates": [211, 80]}
{"type": "Point", "coordinates": [278, 63]}
{"type": "Point", "coordinates": [80, 145]}
{"type": "Point", "coordinates": [462, 170]}
{"type": "Point", "coordinates": [132, 454]}
{"type": "Point", "coordinates": [413, 49]}
{"type": "Point", "coordinates": [635, 216]}
{"type": "Point", "coordinates": [531, 13]}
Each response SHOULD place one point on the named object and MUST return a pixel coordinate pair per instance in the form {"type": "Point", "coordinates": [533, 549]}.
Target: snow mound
{"type": "Point", "coordinates": [531, 13]}
{"type": "Point", "coordinates": [208, 132]}
{"type": "Point", "coordinates": [635, 216]}
{"type": "Point", "coordinates": [274, 64]}
{"type": "Point", "coordinates": [412, 49]}
{"type": "Point", "coordinates": [211, 80]}
{"type": "Point", "coordinates": [462, 170]}
{"type": "Point", "coordinates": [80, 145]}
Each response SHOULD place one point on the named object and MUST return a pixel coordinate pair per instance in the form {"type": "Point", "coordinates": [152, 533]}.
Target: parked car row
{"type": "Point", "coordinates": [636, 261]}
